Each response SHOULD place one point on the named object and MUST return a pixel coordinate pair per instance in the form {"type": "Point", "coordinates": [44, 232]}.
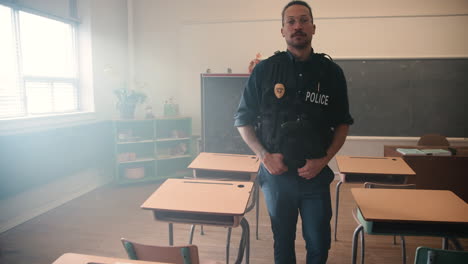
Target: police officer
{"type": "Point", "coordinates": [294, 115]}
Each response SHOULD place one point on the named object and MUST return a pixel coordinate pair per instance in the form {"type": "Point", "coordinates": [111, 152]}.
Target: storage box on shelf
{"type": "Point", "coordinates": [152, 149]}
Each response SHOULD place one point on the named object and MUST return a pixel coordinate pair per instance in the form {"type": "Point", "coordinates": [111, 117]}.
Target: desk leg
{"type": "Point", "coordinates": [244, 243]}
{"type": "Point", "coordinates": [403, 249]}
{"type": "Point", "coordinates": [171, 235]}
{"type": "Point", "coordinates": [255, 203]}
{"type": "Point", "coordinates": [192, 230]}
{"type": "Point", "coordinates": [445, 243]}
{"type": "Point", "coordinates": [337, 203]}
{"type": "Point", "coordinates": [363, 247]}
{"type": "Point", "coordinates": [456, 244]}
{"type": "Point", "coordinates": [257, 209]}
{"type": "Point", "coordinates": [354, 245]}
{"type": "Point", "coordinates": [247, 250]}
{"type": "Point", "coordinates": [228, 244]}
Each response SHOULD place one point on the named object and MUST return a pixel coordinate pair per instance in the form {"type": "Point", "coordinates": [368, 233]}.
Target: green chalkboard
{"type": "Point", "coordinates": [408, 97]}
{"type": "Point", "coordinates": [388, 97]}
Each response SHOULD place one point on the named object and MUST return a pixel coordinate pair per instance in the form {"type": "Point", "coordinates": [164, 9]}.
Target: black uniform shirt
{"type": "Point", "coordinates": [301, 80]}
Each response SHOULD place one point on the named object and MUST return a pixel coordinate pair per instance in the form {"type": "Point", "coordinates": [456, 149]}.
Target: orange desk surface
{"type": "Point", "coordinates": [225, 162]}
{"type": "Point", "coordinates": [410, 205]}
{"type": "Point", "coordinates": [373, 165]}
{"type": "Point", "coordinates": [73, 258]}
{"type": "Point", "coordinates": [200, 201]}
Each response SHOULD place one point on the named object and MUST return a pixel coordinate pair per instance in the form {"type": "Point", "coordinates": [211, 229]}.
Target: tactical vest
{"type": "Point", "coordinates": [294, 123]}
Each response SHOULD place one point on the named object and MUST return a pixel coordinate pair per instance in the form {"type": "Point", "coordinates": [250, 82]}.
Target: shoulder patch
{"type": "Point", "coordinates": [278, 53]}
{"type": "Point", "coordinates": [324, 56]}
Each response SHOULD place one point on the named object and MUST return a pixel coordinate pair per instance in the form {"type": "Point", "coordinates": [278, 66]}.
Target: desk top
{"type": "Point", "coordinates": [391, 150]}
{"type": "Point", "coordinates": [410, 205]}
{"type": "Point", "coordinates": [373, 165]}
{"type": "Point", "coordinates": [73, 258]}
{"type": "Point", "coordinates": [226, 162]}
{"type": "Point", "coordinates": [201, 196]}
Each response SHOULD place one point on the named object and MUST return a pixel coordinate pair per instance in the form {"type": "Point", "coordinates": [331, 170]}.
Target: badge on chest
{"type": "Point", "coordinates": [279, 90]}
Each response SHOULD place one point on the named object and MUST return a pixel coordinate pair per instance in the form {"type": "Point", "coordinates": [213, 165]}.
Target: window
{"type": "Point", "coordinates": [38, 69]}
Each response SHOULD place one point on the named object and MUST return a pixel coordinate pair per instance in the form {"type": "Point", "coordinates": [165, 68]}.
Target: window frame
{"type": "Point", "coordinates": [22, 78]}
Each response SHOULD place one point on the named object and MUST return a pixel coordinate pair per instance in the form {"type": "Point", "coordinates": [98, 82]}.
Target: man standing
{"type": "Point", "coordinates": [297, 101]}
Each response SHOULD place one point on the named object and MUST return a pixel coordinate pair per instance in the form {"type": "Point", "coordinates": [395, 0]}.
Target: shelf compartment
{"type": "Point", "coordinates": [152, 149]}
{"type": "Point", "coordinates": [137, 161]}
{"type": "Point", "coordinates": [173, 127]}
{"type": "Point", "coordinates": [168, 157]}
{"type": "Point", "coordinates": [136, 172]}
{"type": "Point", "coordinates": [135, 142]}
{"type": "Point", "coordinates": [171, 139]}
{"type": "Point", "coordinates": [170, 167]}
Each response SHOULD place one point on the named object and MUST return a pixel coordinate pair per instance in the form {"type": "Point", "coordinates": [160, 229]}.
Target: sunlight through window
{"type": "Point", "coordinates": [38, 68]}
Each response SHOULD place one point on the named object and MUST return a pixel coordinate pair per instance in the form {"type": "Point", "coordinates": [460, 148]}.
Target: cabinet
{"type": "Point", "coordinates": [152, 149]}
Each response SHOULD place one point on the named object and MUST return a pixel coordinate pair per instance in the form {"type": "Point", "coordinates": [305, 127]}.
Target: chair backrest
{"type": "Point", "coordinates": [425, 255]}
{"type": "Point", "coordinates": [171, 254]}
{"type": "Point", "coordinates": [433, 140]}
{"type": "Point", "coordinates": [373, 185]}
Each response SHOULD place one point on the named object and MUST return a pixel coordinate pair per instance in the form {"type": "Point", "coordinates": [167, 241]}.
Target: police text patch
{"type": "Point", "coordinates": [317, 98]}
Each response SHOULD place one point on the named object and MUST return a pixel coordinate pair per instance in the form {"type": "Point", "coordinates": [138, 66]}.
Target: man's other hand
{"type": "Point", "coordinates": [273, 162]}
{"type": "Point", "coordinates": [312, 168]}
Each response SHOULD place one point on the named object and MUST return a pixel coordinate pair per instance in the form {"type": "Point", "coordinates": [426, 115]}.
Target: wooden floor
{"type": "Point", "coordinates": [95, 222]}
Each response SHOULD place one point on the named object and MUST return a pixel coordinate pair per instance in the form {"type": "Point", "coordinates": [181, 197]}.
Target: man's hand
{"type": "Point", "coordinates": [312, 168]}
{"type": "Point", "coordinates": [274, 163]}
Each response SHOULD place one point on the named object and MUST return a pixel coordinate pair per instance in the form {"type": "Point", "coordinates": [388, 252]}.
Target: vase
{"type": "Point", "coordinates": [127, 111]}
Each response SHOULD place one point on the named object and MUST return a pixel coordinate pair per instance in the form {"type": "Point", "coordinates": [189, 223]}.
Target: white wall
{"type": "Point", "coordinates": [175, 42]}
{"type": "Point", "coordinates": [109, 53]}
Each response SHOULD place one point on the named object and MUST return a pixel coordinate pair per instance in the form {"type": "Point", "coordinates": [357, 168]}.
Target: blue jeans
{"type": "Point", "coordinates": [286, 196]}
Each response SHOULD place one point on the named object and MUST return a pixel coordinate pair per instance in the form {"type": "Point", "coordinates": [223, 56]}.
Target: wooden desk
{"type": "Point", "coordinates": [390, 150]}
{"type": "Point", "coordinates": [235, 164]}
{"type": "Point", "coordinates": [437, 172]}
{"type": "Point", "coordinates": [224, 166]}
{"type": "Point", "coordinates": [207, 202]}
{"type": "Point", "coordinates": [369, 169]}
{"type": "Point", "coordinates": [73, 258]}
{"type": "Point", "coordinates": [410, 212]}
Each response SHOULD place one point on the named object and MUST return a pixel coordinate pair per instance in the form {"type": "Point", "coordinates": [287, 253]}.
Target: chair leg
{"type": "Point", "coordinates": [394, 239]}
{"type": "Point", "coordinates": [228, 244]}
{"type": "Point", "coordinates": [337, 203]}
{"type": "Point", "coordinates": [201, 230]}
{"type": "Point", "coordinates": [403, 249]}
{"type": "Point", "coordinates": [354, 244]}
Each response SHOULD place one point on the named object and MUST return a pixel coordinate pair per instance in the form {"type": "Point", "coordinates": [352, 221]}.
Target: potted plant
{"type": "Point", "coordinates": [127, 100]}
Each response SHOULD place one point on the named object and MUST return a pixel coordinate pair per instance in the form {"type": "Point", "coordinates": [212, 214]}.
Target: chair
{"type": "Point", "coordinates": [425, 255]}
{"type": "Point", "coordinates": [433, 140]}
{"type": "Point", "coordinates": [171, 254]}
{"type": "Point", "coordinates": [361, 224]}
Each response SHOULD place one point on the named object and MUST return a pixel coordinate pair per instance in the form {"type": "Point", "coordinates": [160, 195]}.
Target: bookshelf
{"type": "Point", "coordinates": [152, 149]}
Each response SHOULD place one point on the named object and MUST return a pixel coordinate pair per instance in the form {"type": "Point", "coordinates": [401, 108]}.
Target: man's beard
{"type": "Point", "coordinates": [299, 44]}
